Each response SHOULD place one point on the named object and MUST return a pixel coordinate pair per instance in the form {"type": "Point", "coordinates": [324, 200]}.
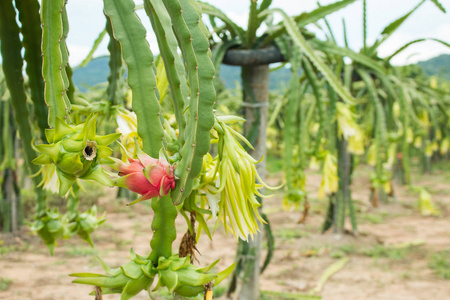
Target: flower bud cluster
{"type": "Point", "coordinates": [77, 152]}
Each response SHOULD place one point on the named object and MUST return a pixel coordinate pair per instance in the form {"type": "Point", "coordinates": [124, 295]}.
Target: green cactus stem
{"type": "Point", "coordinates": [136, 53]}
{"type": "Point", "coordinates": [163, 226]}
{"type": "Point", "coordinates": [113, 92]}
{"type": "Point", "coordinates": [174, 67]}
{"type": "Point", "coordinates": [53, 38]}
{"type": "Point", "coordinates": [31, 31]}
{"type": "Point", "coordinates": [187, 26]}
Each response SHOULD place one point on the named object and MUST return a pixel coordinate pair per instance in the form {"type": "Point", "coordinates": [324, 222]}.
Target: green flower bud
{"type": "Point", "coordinates": [77, 152]}
{"type": "Point", "coordinates": [183, 278]}
{"type": "Point", "coordinates": [86, 223]}
{"type": "Point", "coordinates": [50, 226]}
{"type": "Point", "coordinates": [128, 280]}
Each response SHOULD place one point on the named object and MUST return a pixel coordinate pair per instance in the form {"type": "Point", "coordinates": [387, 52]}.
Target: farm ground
{"type": "Point", "coordinates": [388, 259]}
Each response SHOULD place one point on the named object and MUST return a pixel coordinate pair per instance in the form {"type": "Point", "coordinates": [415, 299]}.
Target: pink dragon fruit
{"type": "Point", "coordinates": [147, 176]}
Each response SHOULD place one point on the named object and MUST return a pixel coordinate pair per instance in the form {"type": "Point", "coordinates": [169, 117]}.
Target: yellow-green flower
{"type": "Point", "coordinates": [424, 118]}
{"type": "Point", "coordinates": [236, 176]}
{"type": "Point", "coordinates": [396, 110]}
{"type": "Point", "coordinates": [372, 155]}
{"type": "Point", "coordinates": [418, 142]}
{"type": "Point", "coordinates": [438, 135]}
{"type": "Point", "coordinates": [445, 143]}
{"type": "Point", "coordinates": [127, 125]}
{"type": "Point", "coordinates": [356, 143]}
{"type": "Point", "coordinates": [347, 125]}
{"type": "Point", "coordinates": [314, 163]}
{"type": "Point", "coordinates": [409, 135]}
{"type": "Point", "coordinates": [330, 181]}
{"type": "Point", "coordinates": [426, 205]}
{"type": "Point", "coordinates": [391, 157]}
{"type": "Point", "coordinates": [428, 149]}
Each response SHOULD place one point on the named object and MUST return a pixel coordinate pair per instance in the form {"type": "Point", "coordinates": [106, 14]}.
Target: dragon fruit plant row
{"type": "Point", "coordinates": [167, 164]}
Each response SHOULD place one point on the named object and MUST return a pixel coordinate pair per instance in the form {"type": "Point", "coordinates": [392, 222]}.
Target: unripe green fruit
{"type": "Point", "coordinates": [181, 277]}
{"type": "Point", "coordinates": [85, 223]}
{"type": "Point", "coordinates": [50, 226]}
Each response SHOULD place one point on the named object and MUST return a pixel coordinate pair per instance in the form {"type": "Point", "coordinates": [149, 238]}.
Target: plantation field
{"type": "Point", "coordinates": [398, 254]}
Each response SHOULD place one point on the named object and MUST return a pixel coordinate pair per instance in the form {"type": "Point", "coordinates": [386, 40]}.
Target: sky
{"type": "Point", "coordinates": [87, 21]}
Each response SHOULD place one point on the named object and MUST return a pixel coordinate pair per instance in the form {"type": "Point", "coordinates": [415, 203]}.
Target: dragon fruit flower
{"type": "Point", "coordinates": [147, 176]}
{"type": "Point", "coordinates": [74, 152]}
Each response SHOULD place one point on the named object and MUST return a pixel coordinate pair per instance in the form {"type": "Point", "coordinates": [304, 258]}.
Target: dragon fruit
{"type": "Point", "coordinates": [147, 176]}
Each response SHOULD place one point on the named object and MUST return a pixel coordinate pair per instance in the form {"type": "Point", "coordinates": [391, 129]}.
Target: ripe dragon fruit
{"type": "Point", "coordinates": [147, 176]}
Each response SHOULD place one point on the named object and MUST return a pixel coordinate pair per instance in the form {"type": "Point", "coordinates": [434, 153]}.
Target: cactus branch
{"type": "Point", "coordinates": [32, 32]}
{"type": "Point", "coordinates": [52, 38]}
{"type": "Point", "coordinates": [136, 53]}
{"type": "Point", "coordinates": [172, 61]}
{"type": "Point", "coordinates": [196, 53]}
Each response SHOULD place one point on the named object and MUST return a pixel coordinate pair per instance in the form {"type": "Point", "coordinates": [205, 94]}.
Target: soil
{"type": "Point", "coordinates": [388, 257]}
